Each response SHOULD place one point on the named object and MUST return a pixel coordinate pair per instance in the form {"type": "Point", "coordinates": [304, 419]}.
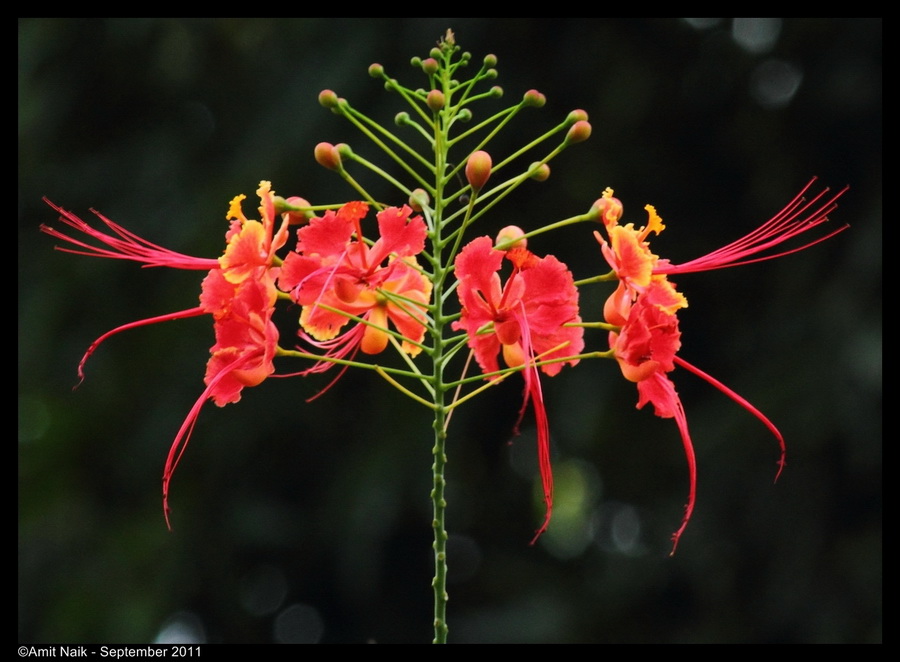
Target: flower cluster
{"type": "Point", "coordinates": [356, 295]}
{"type": "Point", "coordinates": [332, 273]}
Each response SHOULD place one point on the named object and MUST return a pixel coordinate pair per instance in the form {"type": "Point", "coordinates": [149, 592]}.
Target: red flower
{"type": "Point", "coordinates": [239, 292]}
{"type": "Point", "coordinates": [524, 319]}
{"type": "Point", "coordinates": [645, 305]}
{"type": "Point", "coordinates": [335, 275]}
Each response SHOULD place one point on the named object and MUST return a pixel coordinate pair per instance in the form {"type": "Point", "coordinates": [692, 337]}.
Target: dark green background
{"type": "Point", "coordinates": [311, 522]}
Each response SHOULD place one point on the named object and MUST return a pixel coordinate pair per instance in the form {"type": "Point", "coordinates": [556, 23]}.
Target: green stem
{"type": "Point", "coordinates": [438, 361]}
{"type": "Point", "coordinates": [439, 502]}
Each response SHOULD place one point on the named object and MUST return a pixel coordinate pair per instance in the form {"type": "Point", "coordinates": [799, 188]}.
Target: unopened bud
{"type": "Point", "coordinates": [490, 60]}
{"type": "Point", "coordinates": [490, 74]}
{"type": "Point", "coordinates": [577, 116]}
{"type": "Point", "coordinates": [496, 92]}
{"type": "Point", "coordinates": [478, 169]}
{"type": "Point", "coordinates": [435, 53]}
{"type": "Point", "coordinates": [534, 99]}
{"type": "Point", "coordinates": [464, 115]}
{"type": "Point", "coordinates": [344, 150]}
{"type": "Point", "coordinates": [512, 236]}
{"type": "Point", "coordinates": [327, 155]}
{"type": "Point", "coordinates": [419, 199]}
{"type": "Point", "coordinates": [401, 119]}
{"type": "Point", "coordinates": [376, 70]}
{"type": "Point", "coordinates": [416, 61]}
{"type": "Point", "coordinates": [290, 209]}
{"type": "Point", "coordinates": [578, 132]}
{"type": "Point", "coordinates": [430, 66]}
{"type": "Point", "coordinates": [609, 209]}
{"type": "Point", "coordinates": [539, 171]}
{"type": "Point", "coordinates": [435, 100]}
{"type": "Point", "coordinates": [328, 99]}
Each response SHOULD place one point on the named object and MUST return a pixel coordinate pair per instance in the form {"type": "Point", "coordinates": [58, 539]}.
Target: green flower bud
{"type": "Point", "coordinates": [578, 132]}
{"type": "Point", "coordinates": [416, 61]}
{"type": "Point", "coordinates": [376, 70]}
{"type": "Point", "coordinates": [401, 119]}
{"type": "Point", "coordinates": [490, 74]}
{"type": "Point", "coordinates": [478, 169]}
{"type": "Point", "coordinates": [496, 91]}
{"type": "Point", "coordinates": [435, 53]}
{"type": "Point", "coordinates": [419, 199]}
{"type": "Point", "coordinates": [464, 115]}
{"type": "Point", "coordinates": [289, 209]}
{"type": "Point", "coordinates": [577, 116]}
{"type": "Point", "coordinates": [542, 172]}
{"type": "Point", "coordinates": [344, 150]}
{"type": "Point", "coordinates": [512, 236]}
{"type": "Point", "coordinates": [430, 66]}
{"type": "Point", "coordinates": [534, 99]}
{"type": "Point", "coordinates": [328, 99]}
{"type": "Point", "coordinates": [435, 100]}
{"type": "Point", "coordinates": [327, 155]}
{"type": "Point", "coordinates": [490, 60]}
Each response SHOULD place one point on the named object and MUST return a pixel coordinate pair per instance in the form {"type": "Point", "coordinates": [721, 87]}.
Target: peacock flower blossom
{"type": "Point", "coordinates": [336, 276]}
{"type": "Point", "coordinates": [238, 292]}
{"type": "Point", "coordinates": [531, 319]}
{"type": "Point", "coordinates": [645, 304]}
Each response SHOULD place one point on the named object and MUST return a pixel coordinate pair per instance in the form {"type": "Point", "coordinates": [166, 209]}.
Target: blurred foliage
{"type": "Point", "coordinates": [303, 522]}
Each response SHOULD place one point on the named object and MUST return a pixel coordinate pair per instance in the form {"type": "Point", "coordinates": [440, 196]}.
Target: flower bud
{"type": "Point", "coordinates": [512, 236]}
{"type": "Point", "coordinates": [328, 99]}
{"type": "Point", "coordinates": [609, 209]}
{"type": "Point", "coordinates": [496, 92]}
{"type": "Point", "coordinates": [539, 171]}
{"type": "Point", "coordinates": [478, 169]}
{"type": "Point", "coordinates": [490, 60]}
{"type": "Point", "coordinates": [534, 99]}
{"type": "Point", "coordinates": [376, 70]}
{"type": "Point", "coordinates": [578, 132]}
{"type": "Point", "coordinates": [435, 100]}
{"type": "Point", "coordinates": [490, 74]}
{"type": "Point", "coordinates": [435, 53]}
{"type": "Point", "coordinates": [419, 199]}
{"type": "Point", "coordinates": [430, 66]}
{"type": "Point", "coordinates": [344, 150]}
{"type": "Point", "coordinates": [464, 115]}
{"type": "Point", "coordinates": [416, 61]}
{"type": "Point", "coordinates": [327, 155]}
{"type": "Point", "coordinates": [288, 208]}
{"type": "Point", "coordinates": [401, 118]}
{"type": "Point", "coordinates": [577, 116]}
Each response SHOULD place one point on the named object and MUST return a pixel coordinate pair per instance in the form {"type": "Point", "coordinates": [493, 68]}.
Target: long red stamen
{"type": "Point", "coordinates": [535, 395]}
{"type": "Point", "coordinates": [681, 421]}
{"type": "Point", "coordinates": [337, 348]}
{"type": "Point", "coordinates": [191, 312]}
{"type": "Point", "coordinates": [127, 246]}
{"type": "Point", "coordinates": [795, 219]}
{"type": "Point", "coordinates": [743, 403]}
{"type": "Point", "coordinates": [179, 445]}
{"type": "Point", "coordinates": [533, 386]}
